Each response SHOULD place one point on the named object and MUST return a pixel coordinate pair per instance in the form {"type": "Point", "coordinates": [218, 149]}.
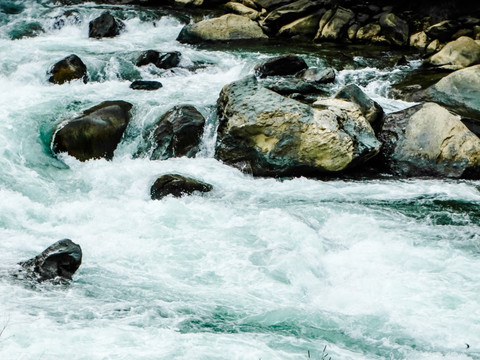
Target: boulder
{"type": "Point", "coordinates": [95, 134]}
{"type": "Point", "coordinates": [287, 13]}
{"type": "Point", "coordinates": [145, 85]}
{"type": "Point", "coordinates": [105, 26]}
{"type": "Point", "coordinates": [419, 40]}
{"type": "Point", "coordinates": [443, 30]}
{"type": "Point", "coordinates": [228, 27]}
{"type": "Point", "coordinates": [281, 65]}
{"type": "Point", "coordinates": [368, 32]}
{"type": "Point", "coordinates": [271, 4]}
{"type": "Point", "coordinates": [427, 140]}
{"type": "Point", "coordinates": [460, 53]}
{"type": "Point", "coordinates": [293, 85]}
{"type": "Point", "coordinates": [57, 262]}
{"type": "Point", "coordinates": [243, 10]}
{"type": "Point", "coordinates": [177, 186]}
{"type": "Point", "coordinates": [317, 75]}
{"type": "Point", "coordinates": [337, 25]}
{"type": "Point", "coordinates": [277, 136]}
{"type": "Point", "coordinates": [459, 91]}
{"type": "Point", "coordinates": [306, 26]}
{"type": "Point", "coordinates": [434, 47]}
{"type": "Point", "coordinates": [148, 57]}
{"type": "Point", "coordinates": [68, 69]}
{"type": "Point", "coordinates": [370, 109]}
{"type": "Point", "coordinates": [178, 133]}
{"type": "Point", "coordinates": [394, 28]}
{"type": "Point", "coordinates": [166, 60]}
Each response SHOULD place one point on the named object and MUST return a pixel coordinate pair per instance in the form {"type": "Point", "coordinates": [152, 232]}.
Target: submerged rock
{"type": "Point", "coordinates": [178, 133]}
{"type": "Point", "coordinates": [59, 261]}
{"type": "Point", "coordinates": [177, 185]}
{"type": "Point", "coordinates": [277, 136]}
{"type": "Point", "coordinates": [427, 140]}
{"type": "Point", "coordinates": [95, 134]}
{"type": "Point", "coordinates": [145, 85]}
{"type": "Point", "coordinates": [224, 28]}
{"type": "Point", "coordinates": [161, 60]}
{"type": "Point", "coordinates": [68, 69]}
{"type": "Point", "coordinates": [281, 65]}
{"type": "Point", "coordinates": [105, 26]}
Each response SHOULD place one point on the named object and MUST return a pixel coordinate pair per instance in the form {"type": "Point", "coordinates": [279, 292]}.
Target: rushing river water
{"type": "Point", "coordinates": [256, 269]}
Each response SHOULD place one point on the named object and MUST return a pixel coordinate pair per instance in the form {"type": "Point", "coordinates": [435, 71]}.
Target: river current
{"type": "Point", "coordinates": [257, 269]}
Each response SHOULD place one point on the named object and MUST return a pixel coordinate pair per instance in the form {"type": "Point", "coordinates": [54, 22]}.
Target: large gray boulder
{"type": "Point", "coordinates": [427, 140]}
{"type": "Point", "coordinates": [228, 27]}
{"type": "Point", "coordinates": [288, 64]}
{"type": "Point", "coordinates": [459, 91]}
{"type": "Point", "coordinates": [58, 262]}
{"type": "Point", "coordinates": [395, 29]}
{"type": "Point", "coordinates": [178, 133]}
{"type": "Point", "coordinates": [275, 136]}
{"type": "Point", "coordinates": [95, 134]}
{"type": "Point", "coordinates": [68, 69]}
{"type": "Point", "coordinates": [457, 54]}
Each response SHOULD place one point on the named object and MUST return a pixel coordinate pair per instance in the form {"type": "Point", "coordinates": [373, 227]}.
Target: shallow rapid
{"type": "Point", "coordinates": [258, 268]}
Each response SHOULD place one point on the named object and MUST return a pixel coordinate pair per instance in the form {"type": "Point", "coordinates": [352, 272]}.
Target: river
{"type": "Point", "coordinates": [257, 269]}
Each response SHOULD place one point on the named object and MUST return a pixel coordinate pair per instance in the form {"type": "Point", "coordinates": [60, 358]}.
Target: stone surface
{"type": "Point", "coordinates": [277, 136]}
{"type": "Point", "coordinates": [224, 28]}
{"type": "Point", "coordinates": [459, 91]}
{"type": "Point", "coordinates": [370, 109]}
{"type": "Point", "coordinates": [68, 69]}
{"type": "Point", "coordinates": [177, 186]}
{"type": "Point", "coordinates": [306, 26]}
{"type": "Point", "coordinates": [241, 9]}
{"type": "Point", "coordinates": [419, 40]}
{"type": "Point", "coordinates": [395, 29]}
{"type": "Point", "coordinates": [368, 32]}
{"type": "Point", "coordinates": [337, 25]}
{"type": "Point", "coordinates": [460, 53]}
{"type": "Point", "coordinates": [105, 26]}
{"type": "Point", "coordinates": [443, 30]}
{"type": "Point", "coordinates": [145, 85]}
{"type": "Point", "coordinates": [281, 65]}
{"type": "Point", "coordinates": [427, 140]}
{"type": "Point", "coordinates": [178, 133]}
{"type": "Point", "coordinates": [317, 75]}
{"type": "Point", "coordinates": [95, 134]}
{"type": "Point", "coordinates": [166, 60]}
{"type": "Point", "coordinates": [57, 262]}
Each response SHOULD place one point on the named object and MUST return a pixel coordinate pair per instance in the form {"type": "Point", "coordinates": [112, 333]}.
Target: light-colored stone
{"type": "Point", "coordinates": [460, 53]}
{"type": "Point", "coordinates": [224, 28]}
{"type": "Point", "coordinates": [368, 32]}
{"type": "Point", "coordinates": [434, 47]}
{"type": "Point", "coordinates": [241, 9]}
{"type": "Point", "coordinates": [419, 40]}
{"type": "Point", "coordinates": [306, 26]}
{"type": "Point", "coordinates": [335, 28]}
{"type": "Point", "coordinates": [427, 140]}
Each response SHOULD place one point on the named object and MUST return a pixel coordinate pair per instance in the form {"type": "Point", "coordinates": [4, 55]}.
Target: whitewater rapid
{"type": "Point", "coordinates": [258, 268]}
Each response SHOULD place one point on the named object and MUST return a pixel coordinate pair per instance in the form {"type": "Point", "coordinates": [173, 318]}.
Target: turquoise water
{"type": "Point", "coordinates": [257, 269]}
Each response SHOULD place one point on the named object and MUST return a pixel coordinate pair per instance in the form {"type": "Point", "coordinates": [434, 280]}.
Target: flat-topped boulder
{"type": "Point", "coordinates": [461, 53]}
{"type": "Point", "coordinates": [229, 27]}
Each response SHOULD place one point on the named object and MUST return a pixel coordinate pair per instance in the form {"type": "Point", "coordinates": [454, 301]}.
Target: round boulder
{"type": "Point", "coordinates": [105, 26]}
{"type": "Point", "coordinates": [427, 140]}
{"type": "Point", "coordinates": [228, 27]}
{"type": "Point", "coordinates": [457, 54]}
{"type": "Point", "coordinates": [178, 133]}
{"type": "Point", "coordinates": [68, 69]}
{"type": "Point", "coordinates": [177, 186]}
{"type": "Point", "coordinates": [95, 134]}
{"type": "Point", "coordinates": [59, 261]}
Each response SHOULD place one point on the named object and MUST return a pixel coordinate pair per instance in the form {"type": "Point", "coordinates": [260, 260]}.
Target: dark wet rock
{"type": "Point", "coordinates": [178, 133]}
{"type": "Point", "coordinates": [95, 134]}
{"type": "Point", "coordinates": [177, 186]}
{"type": "Point", "coordinates": [25, 30]}
{"type": "Point", "coordinates": [370, 109]}
{"type": "Point", "coordinates": [68, 69]}
{"type": "Point", "coordinates": [292, 85]}
{"type": "Point", "coordinates": [281, 65]}
{"type": "Point", "coordinates": [443, 30]}
{"type": "Point", "coordinates": [161, 60]}
{"type": "Point", "coordinates": [287, 13]}
{"type": "Point", "coordinates": [148, 57]}
{"type": "Point", "coordinates": [396, 29]}
{"type": "Point", "coordinates": [317, 75]}
{"type": "Point", "coordinates": [229, 27]}
{"type": "Point", "coordinates": [105, 26]}
{"type": "Point", "coordinates": [427, 140]}
{"type": "Point", "coordinates": [57, 262]}
{"type": "Point", "coordinates": [276, 136]}
{"type": "Point", "coordinates": [271, 4]}
{"type": "Point", "coordinates": [145, 85]}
